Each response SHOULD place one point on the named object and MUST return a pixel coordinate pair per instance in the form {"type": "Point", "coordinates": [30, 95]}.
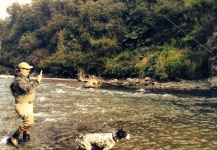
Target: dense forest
{"type": "Point", "coordinates": [161, 39]}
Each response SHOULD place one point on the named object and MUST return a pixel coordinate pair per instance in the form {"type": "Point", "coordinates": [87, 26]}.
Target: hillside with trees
{"type": "Point", "coordinates": [161, 39]}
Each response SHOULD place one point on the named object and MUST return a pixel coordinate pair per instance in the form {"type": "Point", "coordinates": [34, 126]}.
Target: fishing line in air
{"type": "Point", "coordinates": [188, 34]}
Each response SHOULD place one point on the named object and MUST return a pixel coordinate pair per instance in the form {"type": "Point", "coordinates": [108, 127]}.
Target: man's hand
{"type": "Point", "coordinates": [39, 77]}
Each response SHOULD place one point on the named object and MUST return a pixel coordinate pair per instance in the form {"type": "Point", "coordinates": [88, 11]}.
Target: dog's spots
{"type": "Point", "coordinates": [100, 140]}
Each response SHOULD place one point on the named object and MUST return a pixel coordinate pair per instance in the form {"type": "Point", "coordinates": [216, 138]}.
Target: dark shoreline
{"type": "Point", "coordinates": [193, 92]}
{"type": "Point", "coordinates": [180, 91]}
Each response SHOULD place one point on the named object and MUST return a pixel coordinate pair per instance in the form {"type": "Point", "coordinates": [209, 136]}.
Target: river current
{"type": "Point", "coordinates": [64, 108]}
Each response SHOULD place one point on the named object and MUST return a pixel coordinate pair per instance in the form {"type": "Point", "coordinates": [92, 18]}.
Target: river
{"type": "Point", "coordinates": [63, 109]}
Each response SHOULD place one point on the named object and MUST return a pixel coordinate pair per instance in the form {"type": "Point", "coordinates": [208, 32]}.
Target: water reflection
{"type": "Point", "coordinates": [63, 109]}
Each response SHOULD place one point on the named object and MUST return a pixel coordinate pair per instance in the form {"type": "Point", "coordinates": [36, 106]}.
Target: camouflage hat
{"type": "Point", "coordinates": [24, 65]}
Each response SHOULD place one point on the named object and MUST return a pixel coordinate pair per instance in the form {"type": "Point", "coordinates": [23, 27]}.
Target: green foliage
{"type": "Point", "coordinates": [156, 38]}
{"type": "Point", "coordinates": [28, 43]}
{"type": "Point", "coordinates": [169, 63]}
{"type": "Point", "coordinates": [175, 66]}
{"type": "Point", "coordinates": [197, 62]}
{"type": "Point", "coordinates": [106, 46]}
{"type": "Point", "coordinates": [3, 70]}
{"type": "Point", "coordinates": [124, 65]}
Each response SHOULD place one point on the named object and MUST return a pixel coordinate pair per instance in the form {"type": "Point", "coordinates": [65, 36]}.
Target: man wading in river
{"type": "Point", "coordinates": [23, 89]}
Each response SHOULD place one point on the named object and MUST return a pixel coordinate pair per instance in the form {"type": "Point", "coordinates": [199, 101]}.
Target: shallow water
{"type": "Point", "coordinates": [64, 109]}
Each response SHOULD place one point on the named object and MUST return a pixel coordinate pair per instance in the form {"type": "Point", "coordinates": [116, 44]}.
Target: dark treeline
{"type": "Point", "coordinates": [162, 39]}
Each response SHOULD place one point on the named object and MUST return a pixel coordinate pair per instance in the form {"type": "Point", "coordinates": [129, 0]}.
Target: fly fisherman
{"type": "Point", "coordinates": [23, 89]}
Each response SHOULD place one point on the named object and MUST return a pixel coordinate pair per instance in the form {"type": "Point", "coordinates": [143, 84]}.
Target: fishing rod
{"type": "Point", "coordinates": [43, 62]}
{"type": "Point", "coordinates": [187, 34]}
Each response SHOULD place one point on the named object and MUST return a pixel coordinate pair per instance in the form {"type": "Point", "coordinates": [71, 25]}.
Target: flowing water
{"type": "Point", "coordinates": [64, 109]}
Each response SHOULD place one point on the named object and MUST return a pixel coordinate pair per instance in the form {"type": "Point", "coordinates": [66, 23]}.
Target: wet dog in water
{"type": "Point", "coordinates": [103, 141]}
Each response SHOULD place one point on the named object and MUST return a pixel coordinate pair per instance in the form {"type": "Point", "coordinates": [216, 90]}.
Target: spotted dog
{"type": "Point", "coordinates": [104, 141]}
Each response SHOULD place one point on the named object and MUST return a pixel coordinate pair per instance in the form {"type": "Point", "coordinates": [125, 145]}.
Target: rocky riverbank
{"type": "Point", "coordinates": [205, 87]}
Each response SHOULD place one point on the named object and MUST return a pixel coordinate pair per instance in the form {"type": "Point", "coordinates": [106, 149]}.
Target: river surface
{"type": "Point", "coordinates": [63, 109]}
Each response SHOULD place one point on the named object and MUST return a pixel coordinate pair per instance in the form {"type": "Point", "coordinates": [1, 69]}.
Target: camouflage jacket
{"type": "Point", "coordinates": [23, 88]}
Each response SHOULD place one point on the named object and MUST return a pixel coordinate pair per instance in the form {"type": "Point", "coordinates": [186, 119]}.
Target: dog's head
{"type": "Point", "coordinates": [122, 134]}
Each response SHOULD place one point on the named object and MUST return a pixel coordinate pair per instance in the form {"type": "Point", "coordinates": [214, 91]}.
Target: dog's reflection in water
{"type": "Point", "coordinates": [101, 141]}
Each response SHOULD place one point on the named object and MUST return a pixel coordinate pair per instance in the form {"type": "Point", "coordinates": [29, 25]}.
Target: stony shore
{"type": "Point", "coordinates": [193, 87]}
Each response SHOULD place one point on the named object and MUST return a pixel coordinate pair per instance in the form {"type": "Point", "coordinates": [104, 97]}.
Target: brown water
{"type": "Point", "coordinates": [63, 109]}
